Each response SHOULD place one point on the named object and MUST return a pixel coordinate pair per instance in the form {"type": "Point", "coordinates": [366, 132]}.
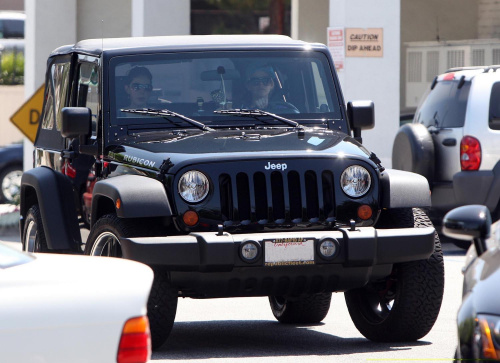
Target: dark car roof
{"type": "Point", "coordinates": [143, 44]}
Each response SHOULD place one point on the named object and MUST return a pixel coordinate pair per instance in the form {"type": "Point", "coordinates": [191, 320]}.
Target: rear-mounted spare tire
{"type": "Point", "coordinates": [413, 150]}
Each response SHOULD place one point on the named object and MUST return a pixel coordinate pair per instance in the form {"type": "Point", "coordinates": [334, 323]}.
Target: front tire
{"type": "Point", "coordinates": [405, 305]}
{"type": "Point", "coordinates": [310, 309]}
{"type": "Point", "coordinates": [104, 240]}
{"type": "Point", "coordinates": [33, 234]}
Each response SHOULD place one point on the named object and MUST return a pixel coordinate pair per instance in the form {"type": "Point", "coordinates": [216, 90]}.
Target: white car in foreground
{"type": "Point", "coordinates": [62, 308]}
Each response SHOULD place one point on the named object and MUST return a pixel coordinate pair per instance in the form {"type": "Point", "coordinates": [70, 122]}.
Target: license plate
{"type": "Point", "coordinates": [289, 251]}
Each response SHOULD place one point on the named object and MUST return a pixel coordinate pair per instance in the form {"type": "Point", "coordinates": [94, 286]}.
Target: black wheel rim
{"type": "Point", "coordinates": [377, 299]}
{"type": "Point", "coordinates": [106, 244]}
{"type": "Point", "coordinates": [278, 302]}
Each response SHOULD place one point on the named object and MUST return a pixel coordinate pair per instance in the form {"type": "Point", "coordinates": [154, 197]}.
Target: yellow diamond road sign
{"type": "Point", "coordinates": [26, 118]}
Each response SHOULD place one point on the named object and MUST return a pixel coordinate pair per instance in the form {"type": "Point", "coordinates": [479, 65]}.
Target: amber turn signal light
{"type": "Point", "coordinates": [190, 218]}
{"type": "Point", "coordinates": [365, 212]}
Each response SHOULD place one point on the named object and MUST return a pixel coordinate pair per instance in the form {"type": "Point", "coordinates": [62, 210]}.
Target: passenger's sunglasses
{"type": "Point", "coordinates": [139, 86]}
{"type": "Point", "coordinates": [254, 81]}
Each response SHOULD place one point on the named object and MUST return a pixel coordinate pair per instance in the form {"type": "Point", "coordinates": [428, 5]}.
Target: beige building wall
{"type": "Point", "coordinates": [435, 20]}
{"type": "Point", "coordinates": [11, 97]}
{"type": "Point", "coordinates": [103, 19]}
{"type": "Point", "coordinates": [310, 20]}
{"type": "Point", "coordinates": [488, 19]}
{"type": "Point", "coordinates": [12, 5]}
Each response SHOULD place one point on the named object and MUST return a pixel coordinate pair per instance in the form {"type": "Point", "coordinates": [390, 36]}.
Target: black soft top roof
{"type": "Point", "coordinates": [183, 42]}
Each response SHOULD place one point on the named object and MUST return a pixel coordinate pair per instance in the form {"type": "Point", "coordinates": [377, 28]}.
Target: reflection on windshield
{"type": "Point", "coordinates": [296, 83]}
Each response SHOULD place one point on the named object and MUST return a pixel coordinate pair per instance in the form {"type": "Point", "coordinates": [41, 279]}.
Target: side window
{"type": "Point", "coordinates": [321, 91]}
{"type": "Point", "coordinates": [88, 90]}
{"type": "Point", "coordinates": [494, 118]}
{"type": "Point", "coordinates": [56, 95]}
{"type": "Point", "coordinates": [48, 115]}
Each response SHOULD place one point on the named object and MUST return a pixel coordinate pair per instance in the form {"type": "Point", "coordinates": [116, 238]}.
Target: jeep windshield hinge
{"type": "Point", "coordinates": [165, 166]}
{"type": "Point", "coordinates": [377, 161]}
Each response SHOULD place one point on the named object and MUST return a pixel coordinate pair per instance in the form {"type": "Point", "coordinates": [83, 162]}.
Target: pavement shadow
{"type": "Point", "coordinates": [236, 339]}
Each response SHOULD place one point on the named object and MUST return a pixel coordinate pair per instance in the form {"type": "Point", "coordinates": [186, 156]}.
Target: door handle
{"type": "Point", "coordinates": [449, 142]}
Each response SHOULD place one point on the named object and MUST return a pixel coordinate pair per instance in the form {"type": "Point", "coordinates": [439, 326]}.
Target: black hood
{"type": "Point", "coordinates": [152, 149]}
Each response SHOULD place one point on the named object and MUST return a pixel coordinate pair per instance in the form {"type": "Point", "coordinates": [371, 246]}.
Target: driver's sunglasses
{"type": "Point", "coordinates": [139, 86]}
{"type": "Point", "coordinates": [254, 81]}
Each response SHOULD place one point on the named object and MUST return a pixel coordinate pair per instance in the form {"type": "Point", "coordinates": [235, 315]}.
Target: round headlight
{"type": "Point", "coordinates": [193, 186]}
{"type": "Point", "coordinates": [355, 181]}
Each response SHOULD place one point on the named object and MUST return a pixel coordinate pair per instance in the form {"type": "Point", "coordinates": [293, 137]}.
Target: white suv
{"type": "Point", "coordinates": [12, 30]}
{"type": "Point", "coordinates": [454, 140]}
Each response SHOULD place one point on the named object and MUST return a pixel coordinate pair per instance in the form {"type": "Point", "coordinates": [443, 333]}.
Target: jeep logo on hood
{"type": "Point", "coordinates": [278, 166]}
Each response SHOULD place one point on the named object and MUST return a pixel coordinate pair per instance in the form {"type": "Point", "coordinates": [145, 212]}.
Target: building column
{"type": "Point", "coordinates": [49, 24]}
{"type": "Point", "coordinates": [160, 17]}
{"type": "Point", "coordinates": [373, 78]}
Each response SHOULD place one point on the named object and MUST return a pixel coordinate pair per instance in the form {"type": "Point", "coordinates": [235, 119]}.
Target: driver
{"type": "Point", "coordinates": [260, 83]}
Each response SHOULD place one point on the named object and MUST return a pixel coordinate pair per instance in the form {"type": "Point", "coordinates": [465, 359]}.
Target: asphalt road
{"type": "Point", "coordinates": [244, 330]}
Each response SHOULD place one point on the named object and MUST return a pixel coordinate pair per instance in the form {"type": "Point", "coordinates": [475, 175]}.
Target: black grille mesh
{"type": "Point", "coordinates": [277, 197]}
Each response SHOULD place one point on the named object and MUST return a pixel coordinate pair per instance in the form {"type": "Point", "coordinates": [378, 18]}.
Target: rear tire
{"type": "Point", "coordinates": [310, 309]}
{"type": "Point", "coordinates": [104, 240]}
{"type": "Point", "coordinates": [405, 305]}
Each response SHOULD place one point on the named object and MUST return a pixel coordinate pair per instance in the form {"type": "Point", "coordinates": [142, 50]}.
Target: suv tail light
{"type": "Point", "coordinates": [135, 342]}
{"type": "Point", "coordinates": [470, 153]}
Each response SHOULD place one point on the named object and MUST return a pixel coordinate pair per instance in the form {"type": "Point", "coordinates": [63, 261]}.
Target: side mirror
{"type": "Point", "coordinates": [471, 222]}
{"type": "Point", "coordinates": [361, 115]}
{"type": "Point", "coordinates": [76, 121]}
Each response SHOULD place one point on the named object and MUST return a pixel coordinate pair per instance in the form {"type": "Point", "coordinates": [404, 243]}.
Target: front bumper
{"type": "Point", "coordinates": [210, 265]}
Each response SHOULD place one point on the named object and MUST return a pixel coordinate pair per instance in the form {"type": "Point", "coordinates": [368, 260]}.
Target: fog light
{"type": "Point", "coordinates": [249, 251]}
{"type": "Point", "coordinates": [190, 218]}
{"type": "Point", "coordinates": [328, 248]}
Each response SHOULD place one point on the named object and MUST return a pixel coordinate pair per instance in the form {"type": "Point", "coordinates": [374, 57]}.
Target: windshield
{"type": "Point", "coordinates": [295, 84]}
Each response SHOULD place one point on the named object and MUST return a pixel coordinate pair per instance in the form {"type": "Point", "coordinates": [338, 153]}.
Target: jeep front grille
{"type": "Point", "coordinates": [279, 197]}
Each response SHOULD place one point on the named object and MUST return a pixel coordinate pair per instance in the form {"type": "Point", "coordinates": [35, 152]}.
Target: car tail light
{"type": "Point", "coordinates": [135, 342]}
{"type": "Point", "coordinates": [470, 153]}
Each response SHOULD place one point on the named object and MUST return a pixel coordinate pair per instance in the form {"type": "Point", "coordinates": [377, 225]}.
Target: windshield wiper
{"type": "Point", "coordinates": [259, 113]}
{"type": "Point", "coordinates": [167, 113]}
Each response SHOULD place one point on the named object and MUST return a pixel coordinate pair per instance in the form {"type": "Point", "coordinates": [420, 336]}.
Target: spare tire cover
{"type": "Point", "coordinates": [413, 150]}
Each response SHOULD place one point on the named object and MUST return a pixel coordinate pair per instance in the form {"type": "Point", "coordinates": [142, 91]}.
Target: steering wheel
{"type": "Point", "coordinates": [283, 107]}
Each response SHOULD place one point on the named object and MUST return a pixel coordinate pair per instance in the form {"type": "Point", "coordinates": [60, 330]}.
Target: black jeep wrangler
{"type": "Point", "coordinates": [232, 167]}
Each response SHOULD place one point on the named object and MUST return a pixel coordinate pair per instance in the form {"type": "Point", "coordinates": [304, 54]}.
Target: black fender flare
{"type": "Point", "coordinates": [403, 189]}
{"type": "Point", "coordinates": [413, 150]}
{"type": "Point", "coordinates": [139, 197]}
{"type": "Point", "coordinates": [53, 192]}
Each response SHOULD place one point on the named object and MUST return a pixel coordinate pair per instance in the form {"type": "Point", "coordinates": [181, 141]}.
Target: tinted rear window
{"type": "Point", "coordinates": [444, 106]}
{"type": "Point", "coordinates": [494, 119]}
{"type": "Point", "coordinates": [12, 28]}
